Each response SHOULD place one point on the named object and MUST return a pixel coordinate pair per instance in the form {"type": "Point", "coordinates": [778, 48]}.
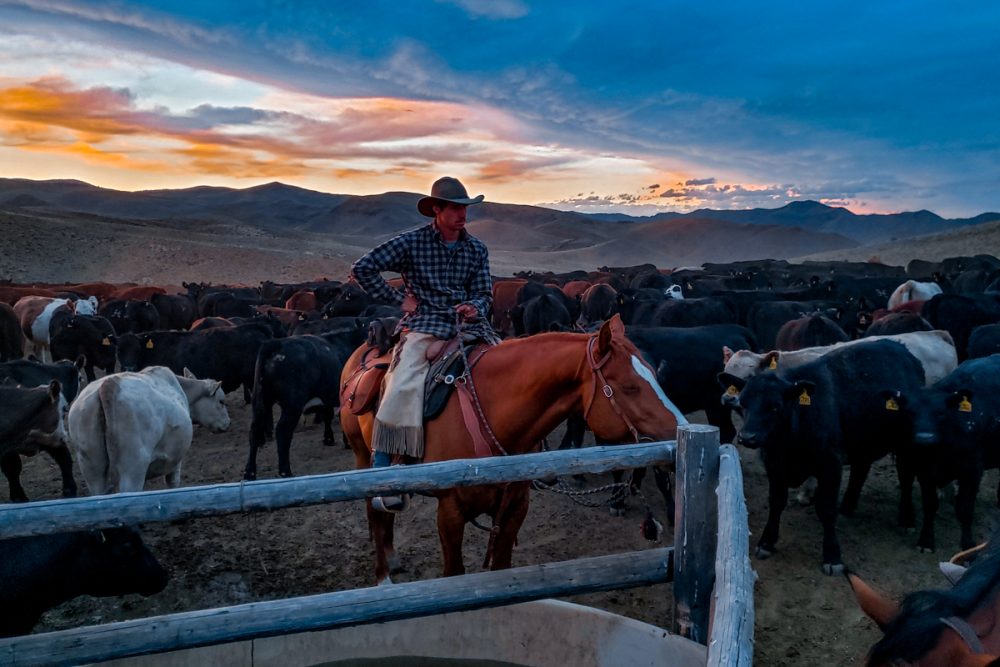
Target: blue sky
{"type": "Point", "coordinates": [633, 107]}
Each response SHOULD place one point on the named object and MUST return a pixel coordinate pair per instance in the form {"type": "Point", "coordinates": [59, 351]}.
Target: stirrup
{"type": "Point", "coordinates": [391, 504]}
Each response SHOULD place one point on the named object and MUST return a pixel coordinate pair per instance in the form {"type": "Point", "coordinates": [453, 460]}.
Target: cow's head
{"type": "Point", "coordinates": [767, 402]}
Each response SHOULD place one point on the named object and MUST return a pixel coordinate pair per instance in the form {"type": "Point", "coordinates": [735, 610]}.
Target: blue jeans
{"type": "Point", "coordinates": [381, 460]}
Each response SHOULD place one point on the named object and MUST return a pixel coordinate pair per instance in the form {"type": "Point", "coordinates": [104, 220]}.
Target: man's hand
{"type": "Point", "coordinates": [409, 303]}
{"type": "Point", "coordinates": [467, 311]}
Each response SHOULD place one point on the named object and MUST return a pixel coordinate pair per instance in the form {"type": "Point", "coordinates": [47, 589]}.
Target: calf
{"type": "Point", "coordinates": [293, 372]}
{"type": "Point", "coordinates": [956, 431]}
{"type": "Point", "coordinates": [812, 420]}
{"type": "Point", "coordinates": [31, 420]}
{"type": "Point", "coordinates": [41, 572]}
{"type": "Point", "coordinates": [138, 426]}
{"type": "Point", "coordinates": [35, 315]}
{"type": "Point", "coordinates": [90, 336]}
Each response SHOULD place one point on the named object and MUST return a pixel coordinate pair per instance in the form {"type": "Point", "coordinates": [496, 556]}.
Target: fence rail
{"type": "Point", "coordinates": [705, 532]}
{"type": "Point", "coordinates": [55, 516]}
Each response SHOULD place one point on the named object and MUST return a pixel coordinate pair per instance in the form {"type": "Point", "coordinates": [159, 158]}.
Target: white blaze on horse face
{"type": "Point", "coordinates": [642, 370]}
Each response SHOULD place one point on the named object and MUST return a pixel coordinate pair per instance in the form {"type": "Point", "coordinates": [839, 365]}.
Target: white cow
{"type": "Point", "coordinates": [912, 290]}
{"type": "Point", "coordinates": [138, 426]}
{"type": "Point", "coordinates": [935, 350]}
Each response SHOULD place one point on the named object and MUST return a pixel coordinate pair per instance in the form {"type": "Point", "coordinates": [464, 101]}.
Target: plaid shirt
{"type": "Point", "coordinates": [439, 277]}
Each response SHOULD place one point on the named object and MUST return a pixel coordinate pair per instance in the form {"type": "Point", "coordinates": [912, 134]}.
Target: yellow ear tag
{"type": "Point", "coordinates": [732, 390]}
{"type": "Point", "coordinates": [774, 364]}
{"type": "Point", "coordinates": [106, 342]}
{"type": "Point", "coordinates": [892, 405]}
{"type": "Point", "coordinates": [804, 398]}
{"type": "Point", "coordinates": [149, 344]}
{"type": "Point", "coordinates": [965, 405]}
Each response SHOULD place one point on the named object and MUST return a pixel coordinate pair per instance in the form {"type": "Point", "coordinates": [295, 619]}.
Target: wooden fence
{"type": "Point", "coordinates": [706, 531]}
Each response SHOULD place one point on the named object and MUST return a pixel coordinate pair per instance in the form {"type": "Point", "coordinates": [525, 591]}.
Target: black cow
{"type": "Point", "coordinates": [41, 572]}
{"type": "Point", "coordinates": [545, 312]}
{"type": "Point", "coordinates": [30, 421]}
{"type": "Point", "coordinates": [11, 336]}
{"type": "Point", "coordinates": [226, 304]}
{"type": "Point", "coordinates": [959, 314]}
{"type": "Point", "coordinates": [984, 341]}
{"type": "Point", "coordinates": [766, 318]}
{"type": "Point", "coordinates": [177, 311]}
{"type": "Point", "coordinates": [811, 420]}
{"type": "Point", "coordinates": [810, 331]}
{"type": "Point", "coordinates": [350, 299]}
{"type": "Point", "coordinates": [92, 336]}
{"type": "Point", "coordinates": [956, 437]}
{"type": "Point", "coordinates": [291, 372]}
{"type": "Point", "coordinates": [694, 312]}
{"type": "Point", "coordinates": [33, 373]}
{"type": "Point", "coordinates": [224, 354]}
{"type": "Point", "coordinates": [131, 316]}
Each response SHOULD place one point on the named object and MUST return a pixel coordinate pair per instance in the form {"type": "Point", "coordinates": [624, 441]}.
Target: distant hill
{"type": "Point", "coordinates": [814, 216]}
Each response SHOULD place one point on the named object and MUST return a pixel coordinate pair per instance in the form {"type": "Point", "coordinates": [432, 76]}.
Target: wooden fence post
{"type": "Point", "coordinates": [695, 529]}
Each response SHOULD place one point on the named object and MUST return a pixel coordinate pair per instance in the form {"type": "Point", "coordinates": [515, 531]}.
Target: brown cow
{"type": "Point", "coordinates": [504, 298]}
{"type": "Point", "coordinates": [304, 300]}
{"type": "Point", "coordinates": [35, 313]}
{"type": "Point", "coordinates": [11, 294]}
{"type": "Point", "coordinates": [138, 293]}
{"type": "Point", "coordinates": [288, 317]}
{"type": "Point", "coordinates": [575, 288]}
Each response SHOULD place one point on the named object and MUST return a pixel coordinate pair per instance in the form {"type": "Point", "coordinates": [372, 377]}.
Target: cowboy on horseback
{"type": "Point", "coordinates": [446, 279]}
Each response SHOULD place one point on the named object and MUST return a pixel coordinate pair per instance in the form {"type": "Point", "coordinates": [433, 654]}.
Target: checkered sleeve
{"type": "Point", "coordinates": [481, 285]}
{"type": "Point", "coordinates": [392, 255]}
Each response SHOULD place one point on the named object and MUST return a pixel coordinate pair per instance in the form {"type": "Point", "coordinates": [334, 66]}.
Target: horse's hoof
{"type": "Point", "coordinates": [328, 442]}
{"type": "Point", "coordinates": [385, 582]}
{"type": "Point", "coordinates": [250, 476]}
{"type": "Point", "coordinates": [924, 549]}
{"type": "Point", "coordinates": [286, 474]}
{"type": "Point", "coordinates": [396, 565]}
{"type": "Point", "coordinates": [617, 511]}
{"type": "Point", "coordinates": [763, 553]}
{"type": "Point", "coordinates": [831, 569]}
{"type": "Point", "coordinates": [69, 493]}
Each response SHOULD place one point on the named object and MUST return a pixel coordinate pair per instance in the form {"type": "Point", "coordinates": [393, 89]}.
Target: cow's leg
{"type": "Point", "coordinates": [721, 416]}
{"type": "Point", "coordinates": [777, 498]}
{"type": "Point", "coordinates": [173, 478]}
{"type": "Point", "coordinates": [89, 370]}
{"type": "Point", "coordinates": [965, 504]}
{"type": "Point", "coordinates": [856, 480]}
{"type": "Point", "coordinates": [827, 490]}
{"type": "Point", "coordinates": [619, 494]}
{"type": "Point", "coordinates": [10, 463]}
{"type": "Point", "coordinates": [451, 531]}
{"type": "Point", "coordinates": [662, 477]}
{"type": "Point", "coordinates": [929, 505]}
{"type": "Point", "coordinates": [576, 428]}
{"type": "Point", "coordinates": [327, 412]}
{"type": "Point", "coordinates": [905, 474]}
{"type": "Point", "coordinates": [283, 432]}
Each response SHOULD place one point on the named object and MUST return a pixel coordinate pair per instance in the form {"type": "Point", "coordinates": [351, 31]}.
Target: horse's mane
{"type": "Point", "coordinates": [917, 627]}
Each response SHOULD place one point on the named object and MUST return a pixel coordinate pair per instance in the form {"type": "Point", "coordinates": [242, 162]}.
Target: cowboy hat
{"type": "Point", "coordinates": [446, 189]}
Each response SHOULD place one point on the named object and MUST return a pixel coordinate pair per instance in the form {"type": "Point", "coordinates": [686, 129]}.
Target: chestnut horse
{"type": "Point", "coordinates": [526, 387]}
{"type": "Point", "coordinates": [947, 628]}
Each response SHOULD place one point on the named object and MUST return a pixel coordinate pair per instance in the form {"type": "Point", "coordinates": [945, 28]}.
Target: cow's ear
{"type": "Point", "coordinates": [769, 361]}
{"type": "Point", "coordinates": [214, 387]}
{"type": "Point", "coordinates": [803, 391]}
{"type": "Point", "coordinates": [960, 400]}
{"type": "Point", "coordinates": [54, 389]}
{"type": "Point", "coordinates": [188, 374]}
{"type": "Point", "coordinates": [892, 399]}
{"type": "Point", "coordinates": [728, 380]}
{"type": "Point", "coordinates": [727, 354]}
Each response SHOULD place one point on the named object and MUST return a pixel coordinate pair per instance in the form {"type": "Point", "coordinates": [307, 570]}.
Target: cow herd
{"type": "Point", "coordinates": [827, 365]}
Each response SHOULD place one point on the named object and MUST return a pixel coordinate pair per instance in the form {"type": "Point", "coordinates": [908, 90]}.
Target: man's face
{"type": "Point", "coordinates": [450, 219]}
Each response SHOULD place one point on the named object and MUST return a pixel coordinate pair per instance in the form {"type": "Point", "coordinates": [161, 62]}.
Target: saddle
{"type": "Point", "coordinates": [359, 393]}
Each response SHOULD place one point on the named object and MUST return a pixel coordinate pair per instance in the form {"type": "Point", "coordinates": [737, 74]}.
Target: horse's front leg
{"type": "Point", "coordinates": [451, 530]}
{"type": "Point", "coordinates": [380, 525]}
{"type": "Point", "coordinates": [509, 517]}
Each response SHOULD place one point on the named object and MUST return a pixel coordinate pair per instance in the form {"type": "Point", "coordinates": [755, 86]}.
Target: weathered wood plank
{"type": "Point", "coordinates": [333, 610]}
{"type": "Point", "coordinates": [123, 509]}
{"type": "Point", "coordinates": [695, 526]}
{"type": "Point", "coordinates": [731, 640]}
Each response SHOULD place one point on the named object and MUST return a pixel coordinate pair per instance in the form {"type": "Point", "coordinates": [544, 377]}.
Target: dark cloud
{"type": "Point", "coordinates": [699, 181]}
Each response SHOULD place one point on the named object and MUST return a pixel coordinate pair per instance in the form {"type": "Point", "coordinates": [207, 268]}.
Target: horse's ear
{"type": "Point", "coordinates": [876, 606]}
{"type": "Point", "coordinates": [609, 330]}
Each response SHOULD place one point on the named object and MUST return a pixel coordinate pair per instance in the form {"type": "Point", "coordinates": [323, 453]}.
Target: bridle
{"type": "Point", "coordinates": [598, 375]}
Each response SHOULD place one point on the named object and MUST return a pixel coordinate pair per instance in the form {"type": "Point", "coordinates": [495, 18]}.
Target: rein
{"type": "Point", "coordinates": [609, 393]}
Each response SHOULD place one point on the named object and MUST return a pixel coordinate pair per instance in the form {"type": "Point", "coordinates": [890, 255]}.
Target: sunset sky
{"type": "Point", "coordinates": [591, 106]}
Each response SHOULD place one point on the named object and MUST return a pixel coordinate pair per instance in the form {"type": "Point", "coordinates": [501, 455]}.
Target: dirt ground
{"type": "Point", "coordinates": [803, 616]}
